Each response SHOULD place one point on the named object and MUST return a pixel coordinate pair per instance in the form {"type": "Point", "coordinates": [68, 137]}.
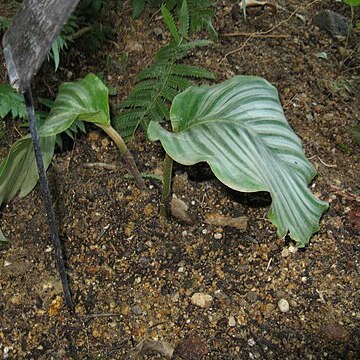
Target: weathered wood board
{"type": "Point", "coordinates": [30, 37]}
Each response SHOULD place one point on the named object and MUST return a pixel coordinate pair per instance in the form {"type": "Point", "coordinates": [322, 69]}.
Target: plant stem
{"type": "Point", "coordinates": [166, 191]}
{"type": "Point", "coordinates": [79, 33]}
{"type": "Point", "coordinates": [128, 158]}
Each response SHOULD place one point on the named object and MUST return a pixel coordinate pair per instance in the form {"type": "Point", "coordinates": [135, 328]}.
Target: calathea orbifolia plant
{"type": "Point", "coordinates": [238, 127]}
{"type": "Point", "coordinates": [85, 100]}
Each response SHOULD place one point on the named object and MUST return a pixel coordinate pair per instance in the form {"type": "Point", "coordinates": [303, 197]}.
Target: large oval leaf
{"type": "Point", "coordinates": [18, 171]}
{"type": "Point", "coordinates": [238, 127]}
{"type": "Point", "coordinates": [85, 100]}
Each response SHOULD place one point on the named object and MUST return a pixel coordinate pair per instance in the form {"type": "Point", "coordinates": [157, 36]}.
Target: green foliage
{"type": "Point", "coordinates": [84, 100]}
{"type": "Point", "coordinates": [352, 2]}
{"type": "Point", "coordinates": [63, 40]}
{"type": "Point", "coordinates": [82, 23]}
{"type": "Point", "coordinates": [199, 13]}
{"type": "Point", "coordinates": [158, 84]}
{"type": "Point", "coordinates": [238, 127]}
{"type": "Point", "coordinates": [4, 25]}
{"type": "Point", "coordinates": [355, 131]}
{"type": "Point", "coordinates": [11, 103]}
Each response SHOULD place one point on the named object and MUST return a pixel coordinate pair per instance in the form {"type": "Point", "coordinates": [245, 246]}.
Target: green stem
{"type": "Point", "coordinates": [128, 158]}
{"type": "Point", "coordinates": [166, 191]}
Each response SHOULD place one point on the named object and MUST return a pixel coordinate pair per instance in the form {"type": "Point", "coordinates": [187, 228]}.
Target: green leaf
{"type": "Point", "coordinates": [3, 239]}
{"type": "Point", "coordinates": [138, 7]}
{"type": "Point", "coordinates": [355, 131]}
{"type": "Point", "coordinates": [352, 2]}
{"type": "Point", "coordinates": [18, 171]}
{"type": "Point", "coordinates": [11, 102]}
{"type": "Point", "coordinates": [169, 21]}
{"type": "Point", "coordinates": [238, 127]}
{"type": "Point", "coordinates": [84, 100]}
{"type": "Point", "coordinates": [184, 19]}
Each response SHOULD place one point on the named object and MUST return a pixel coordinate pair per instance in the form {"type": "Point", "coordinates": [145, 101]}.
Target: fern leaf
{"type": "Point", "coordinates": [169, 21]}
{"type": "Point", "coordinates": [192, 71]}
{"type": "Point", "coordinates": [179, 82]}
{"type": "Point", "coordinates": [184, 19]}
{"type": "Point", "coordinates": [11, 102]}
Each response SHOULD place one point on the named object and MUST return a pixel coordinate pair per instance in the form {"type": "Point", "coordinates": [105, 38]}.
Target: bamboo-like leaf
{"type": "Point", "coordinates": [238, 127]}
{"type": "Point", "coordinates": [84, 100]}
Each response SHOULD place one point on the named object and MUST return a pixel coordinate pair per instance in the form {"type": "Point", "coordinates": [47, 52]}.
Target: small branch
{"type": "Point", "coordinates": [129, 160]}
{"type": "Point", "coordinates": [79, 33]}
{"type": "Point", "coordinates": [257, 35]}
{"type": "Point", "coordinates": [101, 165]}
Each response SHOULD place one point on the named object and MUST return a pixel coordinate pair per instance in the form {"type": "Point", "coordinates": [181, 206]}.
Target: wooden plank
{"type": "Point", "coordinates": [30, 37]}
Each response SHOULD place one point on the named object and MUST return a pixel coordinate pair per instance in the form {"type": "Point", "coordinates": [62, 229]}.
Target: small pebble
{"type": "Point", "coordinates": [232, 321]}
{"type": "Point", "coordinates": [218, 236]}
{"type": "Point", "coordinates": [137, 310]}
{"type": "Point", "coordinates": [251, 342]}
{"type": "Point", "coordinates": [285, 252]}
{"type": "Point", "coordinates": [202, 300]}
{"type": "Point", "coordinates": [283, 305]}
{"type": "Point", "coordinates": [293, 249]}
{"type": "Point", "coordinates": [204, 231]}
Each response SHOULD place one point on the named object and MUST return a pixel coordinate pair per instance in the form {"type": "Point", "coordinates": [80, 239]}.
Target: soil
{"type": "Point", "coordinates": [133, 274]}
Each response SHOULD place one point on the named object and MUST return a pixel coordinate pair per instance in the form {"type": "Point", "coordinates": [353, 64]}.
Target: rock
{"type": "Point", "coordinates": [283, 305]}
{"type": "Point", "coordinates": [332, 22]}
{"type": "Point", "coordinates": [137, 310]}
{"type": "Point", "coordinates": [179, 209]}
{"type": "Point", "coordinates": [192, 347]}
{"type": "Point", "coordinates": [285, 252]}
{"type": "Point", "coordinates": [252, 297]}
{"type": "Point", "coordinates": [251, 342]}
{"type": "Point", "coordinates": [202, 300]}
{"type": "Point", "coordinates": [125, 309]}
{"type": "Point", "coordinates": [232, 321]}
{"type": "Point", "coordinates": [335, 332]}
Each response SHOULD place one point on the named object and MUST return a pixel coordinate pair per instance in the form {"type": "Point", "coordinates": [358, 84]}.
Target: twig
{"type": "Point", "coordinates": [257, 35]}
{"type": "Point", "coordinates": [253, 35]}
{"type": "Point", "coordinates": [101, 165]}
{"type": "Point", "coordinates": [346, 194]}
{"type": "Point", "coordinates": [268, 265]}
{"type": "Point", "coordinates": [323, 162]}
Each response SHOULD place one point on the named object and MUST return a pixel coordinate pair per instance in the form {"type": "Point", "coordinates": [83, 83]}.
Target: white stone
{"type": "Point", "coordinates": [283, 305]}
{"type": "Point", "coordinates": [232, 321]}
{"type": "Point", "coordinates": [202, 300]}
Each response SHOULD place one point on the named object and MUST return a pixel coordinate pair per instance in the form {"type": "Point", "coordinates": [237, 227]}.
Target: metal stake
{"type": "Point", "coordinates": [47, 199]}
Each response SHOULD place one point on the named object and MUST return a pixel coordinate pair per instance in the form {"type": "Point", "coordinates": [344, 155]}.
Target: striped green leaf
{"type": "Point", "coordinates": [84, 100]}
{"type": "Point", "coordinates": [238, 127]}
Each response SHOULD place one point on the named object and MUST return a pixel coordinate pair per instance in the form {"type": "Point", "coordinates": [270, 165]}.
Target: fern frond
{"type": "Point", "coordinates": [11, 102]}
{"type": "Point", "coordinates": [170, 22]}
{"type": "Point", "coordinates": [158, 84]}
{"type": "Point", "coordinates": [192, 71]}
{"type": "Point", "coordinates": [184, 19]}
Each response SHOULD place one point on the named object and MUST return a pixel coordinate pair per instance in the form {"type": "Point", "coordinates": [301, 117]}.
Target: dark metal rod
{"type": "Point", "coordinates": [47, 199]}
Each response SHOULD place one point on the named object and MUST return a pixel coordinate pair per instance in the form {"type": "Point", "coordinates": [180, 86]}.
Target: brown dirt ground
{"type": "Point", "coordinates": [133, 275]}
